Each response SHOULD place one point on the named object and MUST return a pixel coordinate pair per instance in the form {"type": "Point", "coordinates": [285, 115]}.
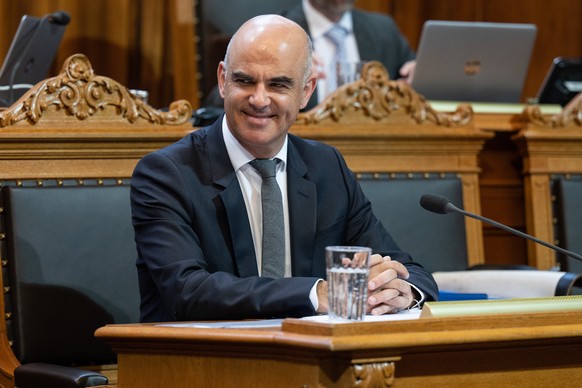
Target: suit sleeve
{"type": "Point", "coordinates": [364, 228]}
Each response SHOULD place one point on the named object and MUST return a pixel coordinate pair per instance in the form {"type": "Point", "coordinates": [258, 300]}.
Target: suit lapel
{"type": "Point", "coordinates": [302, 213]}
{"type": "Point", "coordinates": [365, 43]}
{"type": "Point", "coordinates": [234, 208]}
{"type": "Point", "coordinates": [302, 197]}
{"type": "Point", "coordinates": [297, 15]}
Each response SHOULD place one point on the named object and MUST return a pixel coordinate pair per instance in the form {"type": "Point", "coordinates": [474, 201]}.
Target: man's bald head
{"type": "Point", "coordinates": [265, 80]}
{"type": "Point", "coordinates": [274, 34]}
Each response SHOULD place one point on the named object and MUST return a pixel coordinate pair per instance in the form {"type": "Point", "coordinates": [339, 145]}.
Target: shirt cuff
{"type": "Point", "coordinates": [313, 295]}
{"type": "Point", "coordinates": [416, 303]}
{"type": "Point", "coordinates": [315, 302]}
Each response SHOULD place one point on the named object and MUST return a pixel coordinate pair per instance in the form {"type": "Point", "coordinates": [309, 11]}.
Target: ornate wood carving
{"type": "Point", "coordinates": [373, 375]}
{"type": "Point", "coordinates": [77, 93]}
{"type": "Point", "coordinates": [380, 99]}
{"type": "Point", "coordinates": [571, 116]}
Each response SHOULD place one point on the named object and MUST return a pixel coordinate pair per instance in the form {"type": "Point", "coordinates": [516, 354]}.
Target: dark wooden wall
{"type": "Point", "coordinates": [129, 40]}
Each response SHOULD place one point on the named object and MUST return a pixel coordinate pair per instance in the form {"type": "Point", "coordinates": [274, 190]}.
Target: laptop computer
{"type": "Point", "coordinates": [562, 83]}
{"type": "Point", "coordinates": [473, 61]}
{"type": "Point", "coordinates": [30, 55]}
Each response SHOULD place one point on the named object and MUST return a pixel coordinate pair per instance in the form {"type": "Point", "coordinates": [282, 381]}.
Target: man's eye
{"type": "Point", "coordinates": [242, 81]}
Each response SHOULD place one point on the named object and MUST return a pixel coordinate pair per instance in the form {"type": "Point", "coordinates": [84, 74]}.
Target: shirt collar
{"type": "Point", "coordinates": [240, 157]}
{"type": "Point", "coordinates": [319, 24]}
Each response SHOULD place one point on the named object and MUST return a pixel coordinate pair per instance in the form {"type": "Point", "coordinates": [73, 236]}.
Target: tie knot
{"type": "Point", "coordinates": [265, 167]}
{"type": "Point", "coordinates": [337, 34]}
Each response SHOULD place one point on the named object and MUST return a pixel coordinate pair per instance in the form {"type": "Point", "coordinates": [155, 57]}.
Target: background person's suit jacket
{"type": "Point", "coordinates": [377, 36]}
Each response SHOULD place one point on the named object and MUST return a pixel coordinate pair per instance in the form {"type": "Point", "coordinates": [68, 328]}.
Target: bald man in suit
{"type": "Point", "coordinates": [196, 204]}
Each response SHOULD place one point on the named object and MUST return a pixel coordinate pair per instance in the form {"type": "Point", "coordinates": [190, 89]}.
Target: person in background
{"type": "Point", "coordinates": [575, 102]}
{"type": "Point", "coordinates": [196, 204]}
{"type": "Point", "coordinates": [368, 36]}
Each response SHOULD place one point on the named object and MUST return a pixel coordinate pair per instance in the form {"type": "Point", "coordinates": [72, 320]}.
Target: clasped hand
{"type": "Point", "coordinates": [388, 291]}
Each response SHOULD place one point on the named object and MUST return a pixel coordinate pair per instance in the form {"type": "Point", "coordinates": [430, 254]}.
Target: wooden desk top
{"type": "Point", "coordinates": [333, 337]}
{"type": "Point", "coordinates": [490, 351]}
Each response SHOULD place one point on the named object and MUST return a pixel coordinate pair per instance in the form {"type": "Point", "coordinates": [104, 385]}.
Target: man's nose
{"type": "Point", "coordinates": [260, 96]}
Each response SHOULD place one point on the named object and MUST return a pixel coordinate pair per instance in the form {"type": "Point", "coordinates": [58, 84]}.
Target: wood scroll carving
{"type": "Point", "coordinates": [375, 374]}
{"type": "Point", "coordinates": [380, 99]}
{"type": "Point", "coordinates": [571, 116]}
{"type": "Point", "coordinates": [77, 93]}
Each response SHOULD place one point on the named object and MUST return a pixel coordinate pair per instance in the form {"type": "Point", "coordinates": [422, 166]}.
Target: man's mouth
{"type": "Point", "coordinates": [259, 116]}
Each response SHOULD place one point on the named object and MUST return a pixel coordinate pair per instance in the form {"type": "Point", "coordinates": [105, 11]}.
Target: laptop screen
{"type": "Point", "coordinates": [562, 83]}
{"type": "Point", "coordinates": [473, 61]}
{"type": "Point", "coordinates": [30, 55]}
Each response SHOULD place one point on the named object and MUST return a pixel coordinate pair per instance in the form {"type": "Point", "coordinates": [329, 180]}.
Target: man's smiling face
{"type": "Point", "coordinates": [264, 85]}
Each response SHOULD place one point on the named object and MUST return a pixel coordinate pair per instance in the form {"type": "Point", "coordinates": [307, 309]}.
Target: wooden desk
{"type": "Point", "coordinates": [488, 351]}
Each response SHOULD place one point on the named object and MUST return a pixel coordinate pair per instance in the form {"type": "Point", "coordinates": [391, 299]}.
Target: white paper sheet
{"type": "Point", "coordinates": [275, 323]}
{"type": "Point", "coordinates": [402, 315]}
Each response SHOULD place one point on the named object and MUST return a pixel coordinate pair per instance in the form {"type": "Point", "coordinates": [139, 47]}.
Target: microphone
{"type": "Point", "coordinates": [441, 205]}
{"type": "Point", "coordinates": [61, 18]}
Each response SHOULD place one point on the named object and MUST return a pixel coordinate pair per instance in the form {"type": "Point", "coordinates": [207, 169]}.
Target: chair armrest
{"type": "Point", "coordinates": [56, 376]}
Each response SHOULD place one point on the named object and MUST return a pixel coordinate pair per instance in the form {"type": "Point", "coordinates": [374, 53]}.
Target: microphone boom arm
{"type": "Point", "coordinates": [517, 232]}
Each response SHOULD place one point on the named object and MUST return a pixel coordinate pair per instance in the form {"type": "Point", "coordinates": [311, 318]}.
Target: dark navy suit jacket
{"type": "Point", "coordinates": [377, 36]}
{"type": "Point", "coordinates": [196, 256]}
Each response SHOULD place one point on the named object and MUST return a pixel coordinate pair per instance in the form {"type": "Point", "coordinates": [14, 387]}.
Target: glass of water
{"type": "Point", "coordinates": [347, 275]}
{"type": "Point", "coordinates": [348, 72]}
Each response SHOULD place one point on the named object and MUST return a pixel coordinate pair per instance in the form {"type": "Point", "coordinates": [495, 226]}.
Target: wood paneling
{"type": "Point", "coordinates": [129, 40]}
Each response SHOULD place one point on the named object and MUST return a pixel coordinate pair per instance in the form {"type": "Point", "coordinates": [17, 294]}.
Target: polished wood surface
{"type": "Point", "coordinates": [523, 350]}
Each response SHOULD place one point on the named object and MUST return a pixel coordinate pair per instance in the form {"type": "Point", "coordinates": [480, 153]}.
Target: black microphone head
{"type": "Point", "coordinates": [436, 203]}
{"type": "Point", "coordinates": [60, 17]}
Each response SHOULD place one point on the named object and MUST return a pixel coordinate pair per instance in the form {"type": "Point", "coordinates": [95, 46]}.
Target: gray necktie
{"type": "Point", "coordinates": [337, 35]}
{"type": "Point", "coordinates": [273, 263]}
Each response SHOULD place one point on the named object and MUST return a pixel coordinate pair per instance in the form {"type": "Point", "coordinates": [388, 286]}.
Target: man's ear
{"type": "Point", "coordinates": [308, 89]}
{"type": "Point", "coordinates": [221, 77]}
